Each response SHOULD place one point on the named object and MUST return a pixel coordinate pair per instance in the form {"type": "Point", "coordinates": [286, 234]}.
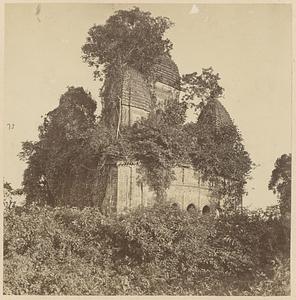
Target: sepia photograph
{"type": "Point", "coordinates": [147, 149]}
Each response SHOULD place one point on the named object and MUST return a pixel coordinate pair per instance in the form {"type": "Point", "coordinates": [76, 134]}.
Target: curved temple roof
{"type": "Point", "coordinates": [167, 72]}
{"type": "Point", "coordinates": [216, 113]}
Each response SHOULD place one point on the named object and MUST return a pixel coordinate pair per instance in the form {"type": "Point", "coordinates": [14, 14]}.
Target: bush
{"type": "Point", "coordinates": [150, 251]}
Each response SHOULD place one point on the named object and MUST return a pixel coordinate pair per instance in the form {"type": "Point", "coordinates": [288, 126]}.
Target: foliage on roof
{"type": "Point", "coordinates": [129, 37]}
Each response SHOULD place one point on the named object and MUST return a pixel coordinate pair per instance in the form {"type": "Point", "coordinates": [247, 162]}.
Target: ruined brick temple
{"type": "Point", "coordinates": [188, 190]}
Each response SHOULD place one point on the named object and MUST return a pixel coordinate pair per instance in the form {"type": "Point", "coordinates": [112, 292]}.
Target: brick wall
{"type": "Point", "coordinates": [188, 188]}
{"type": "Point", "coordinates": [136, 98]}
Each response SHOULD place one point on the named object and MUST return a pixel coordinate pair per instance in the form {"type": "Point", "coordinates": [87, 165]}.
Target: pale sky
{"type": "Point", "coordinates": [248, 45]}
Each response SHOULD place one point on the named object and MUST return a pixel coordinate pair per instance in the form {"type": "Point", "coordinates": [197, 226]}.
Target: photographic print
{"type": "Point", "coordinates": [147, 149]}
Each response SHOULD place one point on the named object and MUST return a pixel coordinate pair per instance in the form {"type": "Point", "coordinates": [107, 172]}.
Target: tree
{"type": "Point", "coordinates": [128, 38]}
{"type": "Point", "coordinates": [61, 165]}
{"type": "Point", "coordinates": [222, 159]}
{"type": "Point", "coordinates": [199, 89]}
{"type": "Point", "coordinates": [216, 148]}
{"type": "Point", "coordinates": [280, 182]}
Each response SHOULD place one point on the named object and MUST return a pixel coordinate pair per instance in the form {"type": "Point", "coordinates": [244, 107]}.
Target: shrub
{"type": "Point", "coordinates": [149, 251]}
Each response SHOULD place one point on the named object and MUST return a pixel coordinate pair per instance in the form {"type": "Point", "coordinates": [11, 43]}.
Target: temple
{"type": "Point", "coordinates": [124, 189]}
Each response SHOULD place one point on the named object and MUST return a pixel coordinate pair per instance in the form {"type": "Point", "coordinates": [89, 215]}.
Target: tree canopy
{"type": "Point", "coordinates": [61, 159]}
{"type": "Point", "coordinates": [280, 182]}
{"type": "Point", "coordinates": [200, 88]}
{"type": "Point", "coordinates": [129, 37]}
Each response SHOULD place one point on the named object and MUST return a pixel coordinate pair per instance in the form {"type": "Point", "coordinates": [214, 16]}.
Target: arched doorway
{"type": "Point", "coordinates": [191, 208]}
{"type": "Point", "coordinates": [206, 210]}
{"type": "Point", "coordinates": [175, 205]}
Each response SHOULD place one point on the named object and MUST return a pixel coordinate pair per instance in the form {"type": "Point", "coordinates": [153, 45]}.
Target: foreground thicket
{"type": "Point", "coordinates": [151, 251]}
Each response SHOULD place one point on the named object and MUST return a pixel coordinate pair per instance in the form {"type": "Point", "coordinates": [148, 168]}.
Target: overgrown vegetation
{"type": "Point", "coordinates": [62, 163]}
{"type": "Point", "coordinates": [129, 38]}
{"type": "Point", "coordinates": [60, 243]}
{"type": "Point", "coordinates": [152, 251]}
{"type": "Point", "coordinates": [280, 182]}
{"type": "Point", "coordinates": [70, 163]}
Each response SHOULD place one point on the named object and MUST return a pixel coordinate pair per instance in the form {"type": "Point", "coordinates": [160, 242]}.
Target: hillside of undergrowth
{"type": "Point", "coordinates": [153, 251]}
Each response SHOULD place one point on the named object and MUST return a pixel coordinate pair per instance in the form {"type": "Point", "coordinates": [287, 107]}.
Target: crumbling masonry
{"type": "Point", "coordinates": [124, 190]}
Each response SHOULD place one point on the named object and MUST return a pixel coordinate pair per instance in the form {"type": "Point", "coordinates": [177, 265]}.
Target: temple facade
{"type": "Point", "coordinates": [125, 190]}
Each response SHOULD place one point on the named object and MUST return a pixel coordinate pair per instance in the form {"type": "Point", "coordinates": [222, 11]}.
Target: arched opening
{"type": "Point", "coordinates": [175, 205]}
{"type": "Point", "coordinates": [191, 207]}
{"type": "Point", "coordinates": [206, 210]}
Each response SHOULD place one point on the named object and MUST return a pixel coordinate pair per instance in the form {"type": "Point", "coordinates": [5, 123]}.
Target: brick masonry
{"type": "Point", "coordinates": [125, 190]}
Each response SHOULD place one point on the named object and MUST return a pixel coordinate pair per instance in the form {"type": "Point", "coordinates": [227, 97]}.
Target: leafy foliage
{"type": "Point", "coordinates": [61, 165]}
{"type": "Point", "coordinates": [158, 143]}
{"type": "Point", "coordinates": [152, 251]}
{"type": "Point", "coordinates": [221, 157]}
{"type": "Point", "coordinates": [216, 148]}
{"type": "Point", "coordinates": [204, 87]}
{"type": "Point", "coordinates": [72, 159]}
{"type": "Point", "coordinates": [129, 37]}
{"type": "Point", "coordinates": [280, 182]}
{"type": "Point", "coordinates": [159, 250]}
